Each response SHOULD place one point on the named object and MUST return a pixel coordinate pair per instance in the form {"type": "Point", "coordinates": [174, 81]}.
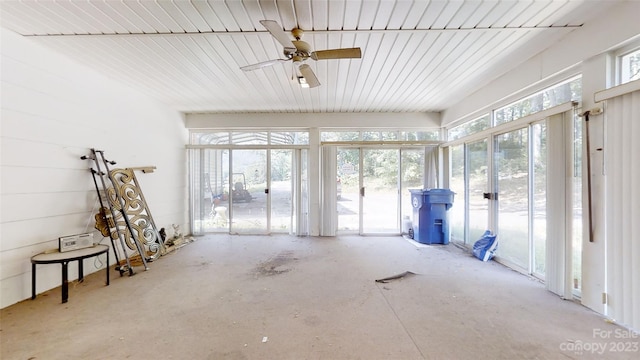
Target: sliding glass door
{"type": "Point", "coordinates": [521, 186]}
{"type": "Point", "coordinates": [511, 159]}
{"type": "Point", "coordinates": [348, 189]}
{"type": "Point", "coordinates": [209, 171]}
{"type": "Point", "coordinates": [373, 187]}
{"type": "Point", "coordinates": [282, 191]}
{"type": "Point", "coordinates": [249, 188]}
{"type": "Point", "coordinates": [477, 187]}
{"type": "Point", "coordinates": [458, 184]}
{"type": "Point", "coordinates": [248, 191]}
{"type": "Point", "coordinates": [469, 215]}
{"type": "Point", "coordinates": [379, 191]}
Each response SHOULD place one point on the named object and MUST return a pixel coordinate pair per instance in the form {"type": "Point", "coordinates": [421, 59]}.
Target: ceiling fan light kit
{"type": "Point", "coordinates": [303, 82]}
{"type": "Point", "coordinates": [299, 51]}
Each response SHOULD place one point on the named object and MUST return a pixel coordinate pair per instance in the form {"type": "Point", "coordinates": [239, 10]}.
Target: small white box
{"type": "Point", "coordinates": [75, 242]}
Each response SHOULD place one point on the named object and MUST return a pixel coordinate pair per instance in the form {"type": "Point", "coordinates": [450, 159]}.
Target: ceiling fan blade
{"type": "Point", "coordinates": [276, 31]}
{"type": "Point", "coordinates": [263, 64]}
{"type": "Point", "coordinates": [347, 53]}
{"type": "Point", "coordinates": [308, 75]}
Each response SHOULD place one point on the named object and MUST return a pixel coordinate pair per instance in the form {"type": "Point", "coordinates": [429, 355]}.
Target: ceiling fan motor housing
{"type": "Point", "coordinates": [302, 48]}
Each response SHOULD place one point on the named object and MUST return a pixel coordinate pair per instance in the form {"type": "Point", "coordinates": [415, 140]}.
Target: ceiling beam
{"type": "Point", "coordinates": [365, 31]}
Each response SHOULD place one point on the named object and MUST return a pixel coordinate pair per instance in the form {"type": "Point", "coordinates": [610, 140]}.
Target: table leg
{"type": "Point", "coordinates": [33, 281]}
{"type": "Point", "coordinates": [65, 282]}
{"type": "Point", "coordinates": [80, 270]}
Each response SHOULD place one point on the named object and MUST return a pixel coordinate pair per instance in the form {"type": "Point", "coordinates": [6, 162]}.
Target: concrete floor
{"type": "Point", "coordinates": [281, 297]}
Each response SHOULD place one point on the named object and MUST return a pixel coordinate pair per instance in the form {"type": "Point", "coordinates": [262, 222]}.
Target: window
{"type": "Point", "coordinates": [289, 138]}
{"type": "Point", "coordinates": [209, 138]}
{"type": "Point", "coordinates": [420, 135]}
{"type": "Point", "coordinates": [381, 135]}
{"type": "Point", "coordinates": [629, 66]}
{"type": "Point", "coordinates": [250, 138]}
{"type": "Point", "coordinates": [570, 90]}
{"type": "Point", "coordinates": [563, 92]}
{"type": "Point", "coordinates": [469, 128]}
{"type": "Point", "coordinates": [339, 136]}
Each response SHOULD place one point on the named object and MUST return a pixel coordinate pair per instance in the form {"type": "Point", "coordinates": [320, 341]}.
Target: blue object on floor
{"type": "Point", "coordinates": [485, 248]}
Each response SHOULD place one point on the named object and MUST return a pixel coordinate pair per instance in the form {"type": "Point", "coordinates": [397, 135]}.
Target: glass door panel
{"type": "Point", "coordinates": [411, 172]}
{"type": "Point", "coordinates": [380, 204]}
{"type": "Point", "coordinates": [348, 193]}
{"type": "Point", "coordinates": [247, 184]}
{"type": "Point", "coordinates": [512, 188]}
{"type": "Point", "coordinates": [216, 172]}
{"type": "Point", "coordinates": [539, 216]}
{"type": "Point", "coordinates": [457, 185]}
{"type": "Point", "coordinates": [477, 185]}
{"type": "Point", "coordinates": [281, 190]}
{"type": "Point", "coordinates": [208, 172]}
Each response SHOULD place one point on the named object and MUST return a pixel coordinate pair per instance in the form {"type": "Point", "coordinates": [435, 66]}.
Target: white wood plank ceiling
{"type": "Point", "coordinates": [417, 55]}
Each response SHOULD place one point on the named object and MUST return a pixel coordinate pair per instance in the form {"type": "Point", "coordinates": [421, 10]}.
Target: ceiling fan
{"type": "Point", "coordinates": [299, 51]}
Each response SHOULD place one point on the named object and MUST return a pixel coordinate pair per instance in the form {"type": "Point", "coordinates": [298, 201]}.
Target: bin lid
{"type": "Point", "coordinates": [440, 191]}
{"type": "Point", "coordinates": [431, 191]}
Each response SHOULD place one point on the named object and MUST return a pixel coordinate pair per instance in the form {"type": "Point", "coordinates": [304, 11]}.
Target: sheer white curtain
{"type": "Point", "coordinates": [300, 211]}
{"type": "Point", "coordinates": [622, 203]}
{"type": "Point", "coordinates": [559, 212]}
{"type": "Point", "coordinates": [431, 167]}
{"type": "Point", "coordinates": [328, 192]}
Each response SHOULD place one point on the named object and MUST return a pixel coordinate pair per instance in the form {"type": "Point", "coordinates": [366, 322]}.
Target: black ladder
{"type": "Point", "coordinates": [108, 215]}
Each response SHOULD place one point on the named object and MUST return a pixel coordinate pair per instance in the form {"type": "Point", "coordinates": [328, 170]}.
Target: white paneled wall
{"type": "Point", "coordinates": [53, 110]}
{"type": "Point", "coordinates": [622, 193]}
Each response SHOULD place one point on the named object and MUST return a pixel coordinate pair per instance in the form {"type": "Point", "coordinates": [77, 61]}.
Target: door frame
{"type": "Point", "coordinates": [196, 174]}
{"type": "Point", "coordinates": [386, 146]}
{"type": "Point", "coordinates": [561, 258]}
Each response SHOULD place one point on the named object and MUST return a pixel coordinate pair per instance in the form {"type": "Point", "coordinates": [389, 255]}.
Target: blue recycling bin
{"type": "Point", "coordinates": [430, 216]}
